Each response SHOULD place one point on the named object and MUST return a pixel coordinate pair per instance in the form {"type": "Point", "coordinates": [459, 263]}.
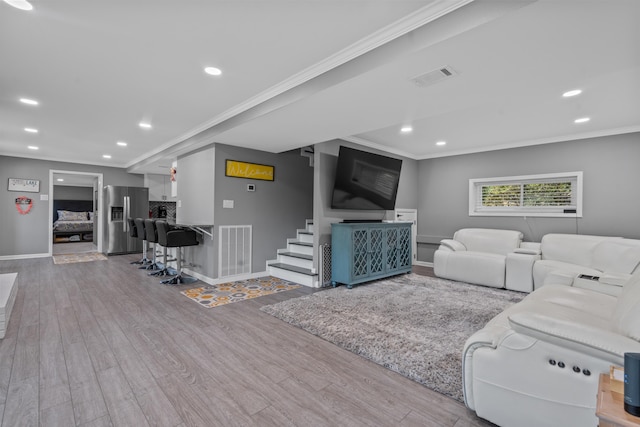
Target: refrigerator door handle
{"type": "Point", "coordinates": [125, 219]}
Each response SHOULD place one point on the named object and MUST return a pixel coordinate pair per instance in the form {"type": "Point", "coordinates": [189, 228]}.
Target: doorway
{"type": "Point", "coordinates": [75, 224]}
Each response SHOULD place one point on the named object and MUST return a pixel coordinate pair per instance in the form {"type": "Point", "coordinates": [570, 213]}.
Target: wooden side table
{"type": "Point", "coordinates": [610, 408]}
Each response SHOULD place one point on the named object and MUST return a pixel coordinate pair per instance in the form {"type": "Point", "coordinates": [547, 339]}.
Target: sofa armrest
{"type": "Point", "coordinates": [596, 342]}
{"type": "Point", "coordinates": [452, 245]}
{"type": "Point", "coordinates": [527, 251]}
{"type": "Point", "coordinates": [519, 271]}
{"type": "Point", "coordinates": [559, 278]}
{"type": "Point", "coordinates": [614, 279]}
{"type": "Point", "coordinates": [531, 246]}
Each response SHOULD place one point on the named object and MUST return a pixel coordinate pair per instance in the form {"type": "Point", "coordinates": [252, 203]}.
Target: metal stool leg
{"type": "Point", "coordinates": [166, 270]}
{"type": "Point", "coordinates": [179, 279]}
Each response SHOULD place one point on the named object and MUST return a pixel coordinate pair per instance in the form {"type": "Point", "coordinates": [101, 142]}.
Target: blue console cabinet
{"type": "Point", "coordinates": [361, 252]}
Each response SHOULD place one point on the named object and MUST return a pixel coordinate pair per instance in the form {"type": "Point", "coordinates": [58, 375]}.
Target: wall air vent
{"type": "Point", "coordinates": [433, 77]}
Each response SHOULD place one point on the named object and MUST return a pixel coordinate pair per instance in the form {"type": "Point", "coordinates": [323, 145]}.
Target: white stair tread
{"type": "Point", "coordinates": [297, 255]}
{"type": "Point", "coordinates": [297, 242]}
{"type": "Point", "coordinates": [293, 268]}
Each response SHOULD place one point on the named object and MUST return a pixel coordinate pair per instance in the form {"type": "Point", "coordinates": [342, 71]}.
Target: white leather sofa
{"type": "Point", "coordinates": [592, 262]}
{"type": "Point", "coordinates": [477, 255]}
{"type": "Point", "coordinates": [537, 363]}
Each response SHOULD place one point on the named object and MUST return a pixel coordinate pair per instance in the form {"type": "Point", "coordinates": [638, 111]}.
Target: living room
{"type": "Point", "coordinates": [434, 180]}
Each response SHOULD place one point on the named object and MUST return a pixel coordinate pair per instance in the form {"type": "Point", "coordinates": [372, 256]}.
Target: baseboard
{"type": "Point", "coordinates": [423, 263]}
{"type": "Point", "coordinates": [25, 256]}
{"type": "Point", "coordinates": [211, 281]}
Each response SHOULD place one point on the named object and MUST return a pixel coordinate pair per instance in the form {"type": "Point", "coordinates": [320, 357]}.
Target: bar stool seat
{"type": "Point", "coordinates": [142, 236]}
{"type": "Point", "coordinates": [171, 237]}
{"type": "Point", "coordinates": [151, 233]}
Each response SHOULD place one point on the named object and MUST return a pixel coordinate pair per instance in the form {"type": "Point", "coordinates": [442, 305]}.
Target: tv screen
{"type": "Point", "coordinates": [365, 181]}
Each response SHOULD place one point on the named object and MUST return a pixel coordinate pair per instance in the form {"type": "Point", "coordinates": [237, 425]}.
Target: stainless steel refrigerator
{"type": "Point", "coordinates": [121, 203]}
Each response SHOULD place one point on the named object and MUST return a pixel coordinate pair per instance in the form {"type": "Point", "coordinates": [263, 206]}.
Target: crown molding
{"type": "Point", "coordinates": [527, 143]}
{"type": "Point", "coordinates": [384, 148]}
{"type": "Point", "coordinates": [519, 144]}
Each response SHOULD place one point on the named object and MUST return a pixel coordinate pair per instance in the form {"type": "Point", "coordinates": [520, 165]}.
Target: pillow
{"type": "Point", "coordinates": [72, 216]}
{"type": "Point", "coordinates": [90, 216]}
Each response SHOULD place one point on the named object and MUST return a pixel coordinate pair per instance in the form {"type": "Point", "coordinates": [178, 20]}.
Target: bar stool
{"type": "Point", "coordinates": [142, 236]}
{"type": "Point", "coordinates": [133, 232]}
{"type": "Point", "coordinates": [163, 227]}
{"type": "Point", "coordinates": [152, 237]}
{"type": "Point", "coordinates": [176, 238]}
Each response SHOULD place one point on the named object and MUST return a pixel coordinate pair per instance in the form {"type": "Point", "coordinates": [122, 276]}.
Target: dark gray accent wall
{"type": "Point", "coordinates": [611, 204]}
{"type": "Point", "coordinates": [70, 192]}
{"type": "Point", "coordinates": [29, 234]}
{"type": "Point", "coordinates": [276, 209]}
{"type": "Point", "coordinates": [326, 160]}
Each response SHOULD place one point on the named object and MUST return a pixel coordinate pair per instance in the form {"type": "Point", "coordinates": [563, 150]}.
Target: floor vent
{"type": "Point", "coordinates": [433, 77]}
{"type": "Point", "coordinates": [234, 250]}
{"type": "Point", "coordinates": [325, 265]}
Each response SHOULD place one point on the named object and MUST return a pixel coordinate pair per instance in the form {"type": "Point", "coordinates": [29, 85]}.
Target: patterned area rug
{"type": "Point", "coordinates": [414, 325]}
{"type": "Point", "coordinates": [83, 257]}
{"type": "Point", "coordinates": [226, 293]}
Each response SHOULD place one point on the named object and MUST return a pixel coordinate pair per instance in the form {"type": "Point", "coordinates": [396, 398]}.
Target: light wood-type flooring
{"type": "Point", "coordinates": [101, 343]}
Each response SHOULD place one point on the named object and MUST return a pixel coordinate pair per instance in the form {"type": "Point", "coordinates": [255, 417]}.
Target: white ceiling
{"type": "Point", "coordinates": [302, 72]}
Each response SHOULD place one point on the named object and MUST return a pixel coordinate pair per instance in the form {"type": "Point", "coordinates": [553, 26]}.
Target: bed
{"type": "Point", "coordinates": [72, 221]}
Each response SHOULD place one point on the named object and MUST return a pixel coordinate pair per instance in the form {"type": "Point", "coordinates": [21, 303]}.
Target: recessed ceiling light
{"type": "Point", "coordinates": [213, 71]}
{"type": "Point", "coordinates": [60, 180]}
{"type": "Point", "coordinates": [145, 125]}
{"type": "Point", "coordinates": [106, 156]}
{"type": "Point", "coordinates": [571, 93]}
{"type": "Point", "coordinates": [406, 129]}
{"type": "Point", "coordinates": [121, 143]}
{"type": "Point", "coordinates": [20, 4]}
{"type": "Point", "coordinates": [29, 101]}
{"type": "Point", "coordinates": [33, 147]}
{"type": "Point", "coordinates": [31, 130]}
{"type": "Point", "coordinates": [441, 143]}
{"type": "Point", "coordinates": [582, 120]}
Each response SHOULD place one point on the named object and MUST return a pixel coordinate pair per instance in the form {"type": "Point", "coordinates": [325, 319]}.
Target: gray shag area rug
{"type": "Point", "coordinates": [414, 325]}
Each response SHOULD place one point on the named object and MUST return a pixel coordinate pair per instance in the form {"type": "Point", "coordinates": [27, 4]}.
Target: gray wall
{"type": "Point", "coordinates": [611, 204]}
{"type": "Point", "coordinates": [275, 210]}
{"type": "Point", "coordinates": [29, 234]}
{"type": "Point", "coordinates": [70, 192]}
{"type": "Point", "coordinates": [326, 160]}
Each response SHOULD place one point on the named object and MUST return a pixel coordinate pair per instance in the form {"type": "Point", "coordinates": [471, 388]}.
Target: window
{"type": "Point", "coordinates": [553, 195]}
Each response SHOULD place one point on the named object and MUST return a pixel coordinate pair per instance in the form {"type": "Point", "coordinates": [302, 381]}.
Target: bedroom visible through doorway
{"type": "Point", "coordinates": [74, 199]}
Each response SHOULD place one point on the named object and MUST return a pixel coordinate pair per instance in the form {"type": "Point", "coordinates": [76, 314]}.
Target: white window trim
{"type": "Point", "coordinates": [474, 184]}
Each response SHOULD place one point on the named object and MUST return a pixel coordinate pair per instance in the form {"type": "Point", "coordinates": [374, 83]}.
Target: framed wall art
{"type": "Point", "coordinates": [238, 169]}
{"type": "Point", "coordinates": [24, 185]}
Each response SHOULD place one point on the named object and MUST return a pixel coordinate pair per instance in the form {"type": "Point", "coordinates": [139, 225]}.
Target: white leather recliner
{"type": "Point", "coordinates": [592, 262]}
{"type": "Point", "coordinates": [476, 255]}
{"type": "Point", "coordinates": [537, 363]}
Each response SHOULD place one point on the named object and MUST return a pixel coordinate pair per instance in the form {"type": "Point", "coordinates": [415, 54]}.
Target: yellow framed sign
{"type": "Point", "coordinates": [238, 169]}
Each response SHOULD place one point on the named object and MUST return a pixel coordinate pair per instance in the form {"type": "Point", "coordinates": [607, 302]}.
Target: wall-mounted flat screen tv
{"type": "Point", "coordinates": [365, 181]}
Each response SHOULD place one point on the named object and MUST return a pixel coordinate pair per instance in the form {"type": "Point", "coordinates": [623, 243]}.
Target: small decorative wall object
{"type": "Point", "coordinates": [24, 185]}
{"type": "Point", "coordinates": [238, 169]}
{"type": "Point", "coordinates": [173, 173]}
{"type": "Point", "coordinates": [24, 205]}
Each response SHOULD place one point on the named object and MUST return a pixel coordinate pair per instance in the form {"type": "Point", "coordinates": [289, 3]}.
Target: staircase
{"type": "Point", "coordinates": [295, 263]}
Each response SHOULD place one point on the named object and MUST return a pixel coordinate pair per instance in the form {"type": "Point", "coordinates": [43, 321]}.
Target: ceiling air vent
{"type": "Point", "coordinates": [433, 77]}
